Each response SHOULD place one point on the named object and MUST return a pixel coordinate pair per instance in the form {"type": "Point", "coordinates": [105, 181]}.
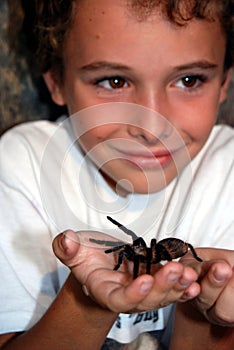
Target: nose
{"type": "Point", "coordinates": [150, 131]}
{"type": "Point", "coordinates": [149, 125]}
{"type": "Point", "coordinates": [151, 98]}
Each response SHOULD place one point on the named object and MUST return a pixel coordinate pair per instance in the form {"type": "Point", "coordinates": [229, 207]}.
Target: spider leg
{"type": "Point", "coordinates": [123, 228]}
{"type": "Point", "coordinates": [149, 255]}
{"type": "Point", "coordinates": [139, 242]}
{"type": "Point", "coordinates": [194, 253]}
{"type": "Point", "coordinates": [148, 260]}
{"type": "Point", "coordinates": [136, 264]}
{"type": "Point", "coordinates": [114, 249]}
{"type": "Point", "coordinates": [127, 252]}
{"type": "Point", "coordinates": [120, 260]}
{"type": "Point", "coordinates": [107, 243]}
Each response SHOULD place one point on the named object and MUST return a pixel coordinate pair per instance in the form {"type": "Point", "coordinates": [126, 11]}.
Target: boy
{"type": "Point", "coordinates": [142, 82]}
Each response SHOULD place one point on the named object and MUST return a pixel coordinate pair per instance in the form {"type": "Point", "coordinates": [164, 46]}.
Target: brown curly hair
{"type": "Point", "coordinates": [47, 23]}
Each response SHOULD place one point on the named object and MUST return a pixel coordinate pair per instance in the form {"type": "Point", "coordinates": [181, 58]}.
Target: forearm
{"type": "Point", "coordinates": [193, 331]}
{"type": "Point", "coordinates": [73, 321]}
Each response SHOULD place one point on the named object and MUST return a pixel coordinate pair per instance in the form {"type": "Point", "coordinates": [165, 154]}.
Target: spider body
{"type": "Point", "coordinates": [138, 252]}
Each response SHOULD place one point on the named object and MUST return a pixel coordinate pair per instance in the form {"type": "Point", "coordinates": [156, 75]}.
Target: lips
{"type": "Point", "coordinates": [147, 160]}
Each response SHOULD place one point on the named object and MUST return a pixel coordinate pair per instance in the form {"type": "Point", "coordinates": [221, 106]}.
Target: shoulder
{"type": "Point", "coordinates": [209, 217]}
{"type": "Point", "coordinates": [213, 168]}
{"type": "Point", "coordinates": [218, 149]}
{"type": "Point", "coordinates": [34, 136]}
{"type": "Point", "coordinates": [29, 131]}
{"type": "Point", "coordinates": [221, 138]}
{"type": "Point", "coordinates": [22, 148]}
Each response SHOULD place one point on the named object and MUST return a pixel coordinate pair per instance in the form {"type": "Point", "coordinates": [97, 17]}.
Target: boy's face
{"type": "Point", "coordinates": [110, 56]}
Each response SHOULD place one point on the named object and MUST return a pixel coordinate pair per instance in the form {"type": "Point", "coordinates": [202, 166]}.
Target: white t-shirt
{"type": "Point", "coordinates": [47, 185]}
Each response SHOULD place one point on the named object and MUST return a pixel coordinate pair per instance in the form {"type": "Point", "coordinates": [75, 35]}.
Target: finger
{"type": "Point", "coordinates": [188, 260]}
{"type": "Point", "coordinates": [222, 313]}
{"type": "Point", "coordinates": [131, 297]}
{"type": "Point", "coordinates": [66, 247]}
{"type": "Point", "coordinates": [175, 279]}
{"type": "Point", "coordinates": [122, 294]}
{"type": "Point", "coordinates": [216, 253]}
{"type": "Point", "coordinates": [117, 291]}
{"type": "Point", "coordinates": [187, 284]}
{"type": "Point", "coordinates": [212, 284]}
{"type": "Point", "coordinates": [191, 292]}
{"type": "Point", "coordinates": [186, 280]}
{"type": "Point", "coordinates": [170, 282]}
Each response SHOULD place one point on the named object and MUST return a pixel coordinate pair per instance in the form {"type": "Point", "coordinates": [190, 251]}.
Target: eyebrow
{"type": "Point", "coordinates": [105, 65]}
{"type": "Point", "coordinates": [203, 64]}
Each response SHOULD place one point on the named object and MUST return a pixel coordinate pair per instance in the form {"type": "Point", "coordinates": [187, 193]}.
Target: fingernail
{"type": "Point", "coordinates": [85, 290]}
{"type": "Point", "coordinates": [145, 287]}
{"type": "Point", "coordinates": [219, 277]}
{"type": "Point", "coordinates": [186, 296]}
{"type": "Point", "coordinates": [64, 243]}
{"type": "Point", "coordinates": [184, 283]}
{"type": "Point", "coordinates": [173, 276]}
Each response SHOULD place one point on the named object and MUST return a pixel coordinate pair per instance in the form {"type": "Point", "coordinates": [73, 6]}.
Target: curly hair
{"type": "Point", "coordinates": [48, 22]}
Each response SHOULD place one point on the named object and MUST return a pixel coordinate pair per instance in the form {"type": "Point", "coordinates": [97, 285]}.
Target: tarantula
{"type": "Point", "coordinates": [138, 252]}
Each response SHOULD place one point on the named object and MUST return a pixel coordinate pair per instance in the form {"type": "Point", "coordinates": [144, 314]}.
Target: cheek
{"type": "Point", "coordinates": [200, 127]}
{"type": "Point", "coordinates": [97, 136]}
{"type": "Point", "coordinates": [198, 120]}
{"type": "Point", "coordinates": [90, 139]}
{"type": "Point", "coordinates": [205, 122]}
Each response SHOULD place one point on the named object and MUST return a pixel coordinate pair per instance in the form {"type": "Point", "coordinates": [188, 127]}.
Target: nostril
{"type": "Point", "coordinates": [143, 135]}
{"type": "Point", "coordinates": [157, 134]}
{"type": "Point", "coordinates": [148, 125]}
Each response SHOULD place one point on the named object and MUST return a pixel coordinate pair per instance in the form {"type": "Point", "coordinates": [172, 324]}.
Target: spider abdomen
{"type": "Point", "coordinates": [169, 249]}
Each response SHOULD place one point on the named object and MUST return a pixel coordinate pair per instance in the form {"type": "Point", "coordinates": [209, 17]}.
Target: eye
{"type": "Point", "coordinates": [112, 83]}
{"type": "Point", "coordinates": [191, 81]}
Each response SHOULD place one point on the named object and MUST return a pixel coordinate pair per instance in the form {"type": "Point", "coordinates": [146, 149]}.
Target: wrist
{"type": "Point", "coordinates": [97, 314]}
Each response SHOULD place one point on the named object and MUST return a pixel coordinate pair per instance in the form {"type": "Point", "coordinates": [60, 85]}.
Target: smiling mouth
{"type": "Point", "coordinates": [147, 160]}
{"type": "Point", "coordinates": [154, 162]}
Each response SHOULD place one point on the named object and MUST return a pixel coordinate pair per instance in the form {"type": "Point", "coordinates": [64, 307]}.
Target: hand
{"type": "Point", "coordinates": [216, 279]}
{"type": "Point", "coordinates": [117, 290]}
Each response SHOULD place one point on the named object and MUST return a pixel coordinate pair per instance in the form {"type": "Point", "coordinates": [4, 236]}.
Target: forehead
{"type": "Point", "coordinates": [176, 11]}
{"type": "Point", "coordinates": [110, 26]}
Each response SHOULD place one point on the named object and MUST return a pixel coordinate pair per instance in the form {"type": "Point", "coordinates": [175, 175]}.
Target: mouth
{"type": "Point", "coordinates": [147, 160]}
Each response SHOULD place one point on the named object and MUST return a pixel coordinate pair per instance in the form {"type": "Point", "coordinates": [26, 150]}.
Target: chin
{"type": "Point", "coordinates": [139, 182]}
{"type": "Point", "coordinates": [125, 187]}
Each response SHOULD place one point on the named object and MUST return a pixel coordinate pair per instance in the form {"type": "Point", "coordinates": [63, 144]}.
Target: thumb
{"type": "Point", "coordinates": [66, 247]}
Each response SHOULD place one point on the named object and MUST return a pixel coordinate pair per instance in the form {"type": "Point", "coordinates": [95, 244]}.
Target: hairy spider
{"type": "Point", "coordinates": [138, 252]}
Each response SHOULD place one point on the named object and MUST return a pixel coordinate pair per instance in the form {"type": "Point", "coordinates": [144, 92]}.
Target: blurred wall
{"type": "Point", "coordinates": [19, 98]}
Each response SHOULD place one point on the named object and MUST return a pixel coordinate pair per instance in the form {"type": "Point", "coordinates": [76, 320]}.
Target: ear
{"type": "Point", "coordinates": [225, 85]}
{"type": "Point", "coordinates": [54, 88]}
